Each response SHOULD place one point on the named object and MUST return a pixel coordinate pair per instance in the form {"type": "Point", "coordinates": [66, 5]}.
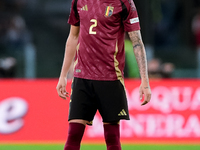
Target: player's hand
{"type": "Point", "coordinates": [146, 91]}
{"type": "Point", "coordinates": [61, 88]}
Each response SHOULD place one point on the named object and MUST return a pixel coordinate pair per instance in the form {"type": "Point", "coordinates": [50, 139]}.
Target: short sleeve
{"type": "Point", "coordinates": [74, 16]}
{"type": "Point", "coordinates": [131, 22]}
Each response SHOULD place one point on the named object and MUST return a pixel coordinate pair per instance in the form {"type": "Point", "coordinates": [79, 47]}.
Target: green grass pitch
{"type": "Point", "coordinates": [97, 147]}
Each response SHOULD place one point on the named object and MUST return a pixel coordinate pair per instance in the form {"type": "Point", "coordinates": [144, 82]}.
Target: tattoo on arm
{"type": "Point", "coordinates": [140, 53]}
{"type": "Point", "coordinates": [135, 46]}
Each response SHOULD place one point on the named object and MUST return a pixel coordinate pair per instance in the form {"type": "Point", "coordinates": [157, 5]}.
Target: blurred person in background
{"type": "Point", "coordinates": [13, 35]}
{"type": "Point", "coordinates": [196, 28]}
{"type": "Point", "coordinates": [154, 68]}
{"type": "Point", "coordinates": [167, 70]}
{"type": "Point", "coordinates": [97, 39]}
{"type": "Point", "coordinates": [157, 69]}
{"type": "Point", "coordinates": [196, 32]}
{"type": "Point", "coordinates": [167, 22]}
{"type": "Point", "coordinates": [7, 67]}
{"type": "Point", "coordinates": [12, 24]}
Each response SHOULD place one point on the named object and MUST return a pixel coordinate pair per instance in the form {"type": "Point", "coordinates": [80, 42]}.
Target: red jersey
{"type": "Point", "coordinates": [100, 51]}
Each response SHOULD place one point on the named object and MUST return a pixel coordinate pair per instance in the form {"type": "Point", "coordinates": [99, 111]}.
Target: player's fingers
{"type": "Point", "coordinates": [63, 92]}
{"type": "Point", "coordinates": [62, 95]}
{"type": "Point", "coordinates": [144, 103]}
{"type": "Point", "coordinates": [66, 94]}
{"type": "Point", "coordinates": [147, 99]}
{"type": "Point", "coordinates": [58, 90]}
{"type": "Point", "coordinates": [141, 94]}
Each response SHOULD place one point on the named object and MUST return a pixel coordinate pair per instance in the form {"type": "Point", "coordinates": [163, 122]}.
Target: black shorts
{"type": "Point", "coordinates": [108, 97]}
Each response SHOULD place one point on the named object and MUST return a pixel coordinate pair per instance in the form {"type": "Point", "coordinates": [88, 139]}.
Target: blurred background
{"type": "Point", "coordinates": [33, 35]}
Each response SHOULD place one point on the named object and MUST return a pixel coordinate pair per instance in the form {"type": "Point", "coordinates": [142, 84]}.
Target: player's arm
{"type": "Point", "coordinates": [70, 51]}
{"type": "Point", "coordinates": [140, 56]}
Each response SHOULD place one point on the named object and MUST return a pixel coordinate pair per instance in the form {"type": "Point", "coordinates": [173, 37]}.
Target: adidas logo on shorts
{"type": "Point", "coordinates": [122, 113]}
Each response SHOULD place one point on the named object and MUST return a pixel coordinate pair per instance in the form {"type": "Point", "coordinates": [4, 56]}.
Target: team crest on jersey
{"type": "Point", "coordinates": [109, 11]}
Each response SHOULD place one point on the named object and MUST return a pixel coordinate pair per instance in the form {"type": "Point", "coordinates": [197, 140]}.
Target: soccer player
{"type": "Point", "coordinates": [96, 39]}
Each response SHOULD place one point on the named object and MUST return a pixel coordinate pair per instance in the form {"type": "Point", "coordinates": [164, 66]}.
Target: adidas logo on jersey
{"type": "Point", "coordinates": [85, 8]}
{"type": "Point", "coordinates": [122, 113]}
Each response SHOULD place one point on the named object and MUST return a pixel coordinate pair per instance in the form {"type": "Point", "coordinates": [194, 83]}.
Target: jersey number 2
{"type": "Point", "coordinates": [92, 26]}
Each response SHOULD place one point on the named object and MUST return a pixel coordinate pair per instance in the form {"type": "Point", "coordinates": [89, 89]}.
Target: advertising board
{"type": "Point", "coordinates": [31, 111]}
